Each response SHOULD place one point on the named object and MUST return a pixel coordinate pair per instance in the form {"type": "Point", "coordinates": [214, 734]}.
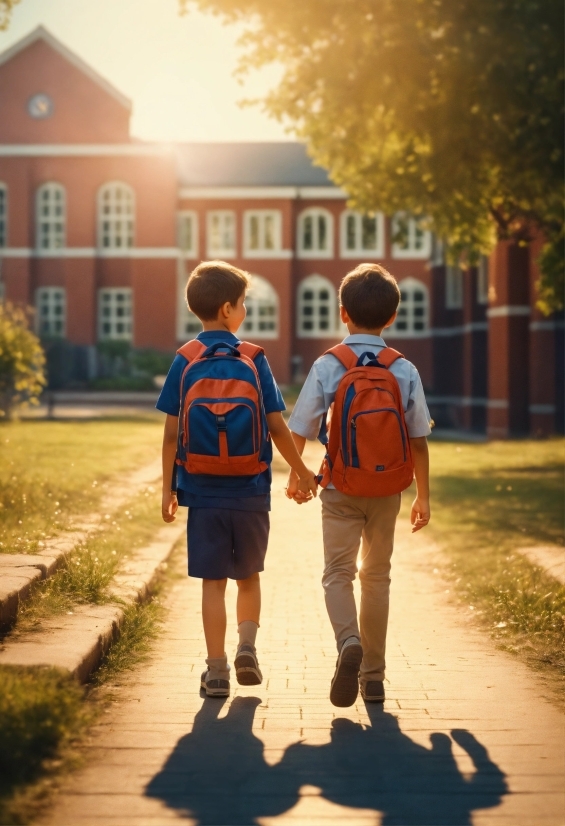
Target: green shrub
{"type": "Point", "coordinates": [22, 361]}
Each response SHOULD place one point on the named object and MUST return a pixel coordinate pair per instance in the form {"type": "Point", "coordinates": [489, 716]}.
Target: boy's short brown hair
{"type": "Point", "coordinates": [211, 284]}
{"type": "Point", "coordinates": [370, 296]}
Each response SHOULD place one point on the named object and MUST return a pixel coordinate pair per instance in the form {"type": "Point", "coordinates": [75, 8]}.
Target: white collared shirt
{"type": "Point", "coordinates": [321, 385]}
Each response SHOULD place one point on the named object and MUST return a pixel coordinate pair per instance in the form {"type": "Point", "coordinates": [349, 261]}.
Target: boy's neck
{"type": "Point", "coordinates": [216, 327]}
{"type": "Point", "coordinates": [354, 330]}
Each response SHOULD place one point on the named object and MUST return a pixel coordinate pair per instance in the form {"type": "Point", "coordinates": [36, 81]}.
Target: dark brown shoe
{"type": "Point", "coordinates": [373, 691]}
{"type": "Point", "coordinates": [345, 683]}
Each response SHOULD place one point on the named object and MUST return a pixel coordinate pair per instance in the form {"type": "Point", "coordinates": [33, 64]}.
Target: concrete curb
{"type": "Point", "coordinates": [18, 572]}
{"type": "Point", "coordinates": [76, 642]}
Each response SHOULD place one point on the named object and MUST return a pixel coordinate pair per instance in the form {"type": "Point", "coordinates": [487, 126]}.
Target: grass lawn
{"type": "Point", "coordinates": [488, 501]}
{"type": "Point", "coordinates": [51, 470]}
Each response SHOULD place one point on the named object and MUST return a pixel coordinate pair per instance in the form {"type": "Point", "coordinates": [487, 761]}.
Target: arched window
{"type": "Point", "coordinates": [262, 303]}
{"type": "Point", "coordinates": [412, 319]}
{"type": "Point", "coordinates": [51, 309]}
{"type": "Point", "coordinates": [362, 236]}
{"type": "Point", "coordinates": [50, 216]}
{"type": "Point", "coordinates": [116, 216]}
{"type": "Point", "coordinates": [409, 240]}
{"type": "Point", "coordinates": [3, 215]}
{"type": "Point", "coordinates": [317, 308]}
{"type": "Point", "coordinates": [315, 233]}
{"type": "Point", "coordinates": [115, 314]}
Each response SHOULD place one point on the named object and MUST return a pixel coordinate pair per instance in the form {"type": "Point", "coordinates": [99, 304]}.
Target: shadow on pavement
{"type": "Point", "coordinates": [217, 774]}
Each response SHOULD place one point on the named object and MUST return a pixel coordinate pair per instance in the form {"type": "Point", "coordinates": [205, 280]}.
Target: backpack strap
{"type": "Point", "coordinates": [388, 356]}
{"type": "Point", "coordinates": [344, 354]}
{"type": "Point", "coordinates": [250, 350]}
{"type": "Point", "coordinates": [191, 350]}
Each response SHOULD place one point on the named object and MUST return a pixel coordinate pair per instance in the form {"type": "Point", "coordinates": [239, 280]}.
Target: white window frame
{"type": "Point", "coordinates": [454, 288]}
{"type": "Point", "coordinates": [112, 236]}
{"type": "Point", "coordinates": [3, 215]}
{"type": "Point", "coordinates": [262, 303]}
{"type": "Point", "coordinates": [423, 251]}
{"type": "Point", "coordinates": [315, 213]}
{"type": "Point", "coordinates": [407, 310]}
{"type": "Point", "coordinates": [188, 325]}
{"type": "Point", "coordinates": [184, 217]}
{"type": "Point", "coordinates": [261, 216]}
{"type": "Point", "coordinates": [225, 216]}
{"type": "Point", "coordinates": [483, 280]}
{"type": "Point", "coordinates": [114, 303]}
{"type": "Point", "coordinates": [53, 323]}
{"type": "Point", "coordinates": [313, 283]}
{"type": "Point", "coordinates": [50, 216]}
{"type": "Point", "coordinates": [359, 251]}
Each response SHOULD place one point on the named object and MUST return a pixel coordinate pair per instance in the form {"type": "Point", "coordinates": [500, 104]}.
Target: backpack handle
{"type": "Point", "coordinates": [220, 345]}
{"type": "Point", "coordinates": [373, 360]}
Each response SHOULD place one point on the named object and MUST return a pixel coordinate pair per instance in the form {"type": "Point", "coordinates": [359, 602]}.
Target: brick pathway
{"type": "Point", "coordinates": [465, 736]}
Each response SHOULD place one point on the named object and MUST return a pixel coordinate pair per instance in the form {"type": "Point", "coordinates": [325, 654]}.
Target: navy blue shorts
{"type": "Point", "coordinates": [226, 543]}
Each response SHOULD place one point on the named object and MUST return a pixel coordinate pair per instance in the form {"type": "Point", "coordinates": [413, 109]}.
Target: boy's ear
{"type": "Point", "coordinates": [391, 320]}
{"type": "Point", "coordinates": [225, 310]}
{"type": "Point", "coordinates": [343, 314]}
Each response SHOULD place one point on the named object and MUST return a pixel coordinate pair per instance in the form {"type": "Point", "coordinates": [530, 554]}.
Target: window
{"type": "Point", "coordinates": [221, 234]}
{"type": "Point", "coordinates": [116, 216]}
{"type": "Point", "coordinates": [361, 235]}
{"type": "Point", "coordinates": [50, 217]}
{"type": "Point", "coordinates": [262, 232]}
{"type": "Point", "coordinates": [453, 288]}
{"type": "Point", "coordinates": [115, 314]}
{"type": "Point", "coordinates": [409, 240]}
{"type": "Point", "coordinates": [187, 232]}
{"type": "Point", "coordinates": [51, 309]}
{"type": "Point", "coordinates": [413, 312]}
{"type": "Point", "coordinates": [317, 308]}
{"type": "Point", "coordinates": [482, 280]}
{"type": "Point", "coordinates": [315, 234]}
{"type": "Point", "coordinates": [188, 325]}
{"type": "Point", "coordinates": [3, 215]}
{"type": "Point", "coordinates": [262, 303]}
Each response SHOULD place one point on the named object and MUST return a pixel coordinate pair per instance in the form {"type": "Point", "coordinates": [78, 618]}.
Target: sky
{"type": "Point", "coordinates": [178, 71]}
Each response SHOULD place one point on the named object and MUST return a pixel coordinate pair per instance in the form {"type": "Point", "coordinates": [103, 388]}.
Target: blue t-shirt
{"type": "Point", "coordinates": [207, 491]}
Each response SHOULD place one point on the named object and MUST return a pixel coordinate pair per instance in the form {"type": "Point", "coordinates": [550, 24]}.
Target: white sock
{"type": "Point", "coordinates": [247, 631]}
{"type": "Point", "coordinates": [218, 668]}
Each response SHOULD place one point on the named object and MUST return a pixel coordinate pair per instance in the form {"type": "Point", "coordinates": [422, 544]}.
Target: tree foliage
{"type": "Point", "coordinates": [21, 361]}
{"type": "Point", "coordinates": [6, 7]}
{"type": "Point", "coordinates": [452, 110]}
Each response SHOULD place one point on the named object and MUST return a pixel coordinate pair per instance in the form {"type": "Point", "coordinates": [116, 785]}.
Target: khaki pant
{"type": "Point", "coordinates": [346, 520]}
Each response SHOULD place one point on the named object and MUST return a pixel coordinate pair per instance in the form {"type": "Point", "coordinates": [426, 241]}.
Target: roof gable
{"type": "Point", "coordinates": [41, 33]}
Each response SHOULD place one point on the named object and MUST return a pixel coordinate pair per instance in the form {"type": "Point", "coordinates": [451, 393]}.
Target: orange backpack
{"type": "Point", "coordinates": [368, 451]}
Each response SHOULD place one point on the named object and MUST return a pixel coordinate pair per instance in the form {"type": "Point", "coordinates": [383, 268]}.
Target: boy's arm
{"type": "Point", "coordinates": [420, 514]}
{"type": "Point", "coordinates": [292, 491]}
{"type": "Point", "coordinates": [283, 439]}
{"type": "Point", "coordinates": [169, 502]}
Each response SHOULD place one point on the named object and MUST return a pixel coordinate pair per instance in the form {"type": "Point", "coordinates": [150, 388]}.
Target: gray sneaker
{"type": "Point", "coordinates": [214, 688]}
{"type": "Point", "coordinates": [345, 683]}
{"type": "Point", "coordinates": [373, 691]}
{"type": "Point", "coordinates": [247, 669]}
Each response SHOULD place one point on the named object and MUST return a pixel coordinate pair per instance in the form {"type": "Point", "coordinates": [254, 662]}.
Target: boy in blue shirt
{"type": "Point", "coordinates": [228, 520]}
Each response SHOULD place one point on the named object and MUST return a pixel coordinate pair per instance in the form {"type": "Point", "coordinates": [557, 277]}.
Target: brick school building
{"type": "Point", "coordinates": [98, 232]}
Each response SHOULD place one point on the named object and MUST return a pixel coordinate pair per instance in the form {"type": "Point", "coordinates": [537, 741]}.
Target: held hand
{"type": "Point", "coordinates": [307, 486]}
{"type": "Point", "coordinates": [300, 489]}
{"type": "Point", "coordinates": [420, 514]}
{"type": "Point", "coordinates": [169, 506]}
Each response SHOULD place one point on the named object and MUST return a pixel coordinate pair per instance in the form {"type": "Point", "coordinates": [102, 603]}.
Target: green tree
{"type": "Point", "coordinates": [451, 110]}
{"type": "Point", "coordinates": [21, 362]}
{"type": "Point", "coordinates": [6, 7]}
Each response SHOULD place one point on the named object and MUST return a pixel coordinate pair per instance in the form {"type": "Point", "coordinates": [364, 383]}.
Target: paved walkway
{"type": "Point", "coordinates": [465, 736]}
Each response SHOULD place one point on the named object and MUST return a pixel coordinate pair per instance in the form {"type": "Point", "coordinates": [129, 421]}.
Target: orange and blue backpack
{"type": "Point", "coordinates": [222, 423]}
{"type": "Point", "coordinates": [368, 449]}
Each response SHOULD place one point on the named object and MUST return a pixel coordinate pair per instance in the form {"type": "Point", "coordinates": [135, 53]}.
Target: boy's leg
{"type": "Point", "coordinates": [214, 616]}
{"type": "Point", "coordinates": [343, 520]}
{"type": "Point", "coordinates": [246, 664]}
{"type": "Point", "coordinates": [215, 680]}
{"type": "Point", "coordinates": [376, 552]}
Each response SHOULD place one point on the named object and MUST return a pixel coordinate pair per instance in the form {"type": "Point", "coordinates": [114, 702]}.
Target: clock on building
{"type": "Point", "coordinates": [40, 106]}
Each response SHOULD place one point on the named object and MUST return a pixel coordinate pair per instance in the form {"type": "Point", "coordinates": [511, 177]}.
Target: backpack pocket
{"type": "Point", "coordinates": [377, 439]}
